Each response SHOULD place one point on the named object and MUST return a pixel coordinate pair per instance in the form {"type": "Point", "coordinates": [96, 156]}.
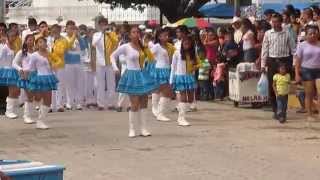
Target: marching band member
{"type": "Point", "coordinates": [8, 75]}
{"type": "Point", "coordinates": [21, 63]}
{"type": "Point", "coordinates": [44, 81]}
{"type": "Point", "coordinates": [73, 71]}
{"type": "Point", "coordinates": [136, 82]}
{"type": "Point", "coordinates": [105, 42]}
{"type": "Point", "coordinates": [88, 92]}
{"type": "Point", "coordinates": [184, 63]}
{"type": "Point", "coordinates": [60, 45]}
{"type": "Point", "coordinates": [163, 52]}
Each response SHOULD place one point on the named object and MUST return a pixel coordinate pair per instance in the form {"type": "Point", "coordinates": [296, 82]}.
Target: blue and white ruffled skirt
{"type": "Point", "coordinates": [24, 83]}
{"type": "Point", "coordinates": [43, 83]}
{"type": "Point", "coordinates": [161, 75]}
{"type": "Point", "coordinates": [184, 82]}
{"type": "Point", "coordinates": [8, 77]}
{"type": "Point", "coordinates": [136, 82]}
{"type": "Point", "coordinates": [150, 67]}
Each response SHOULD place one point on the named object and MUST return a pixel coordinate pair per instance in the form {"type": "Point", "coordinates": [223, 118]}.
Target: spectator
{"type": "Point", "coordinates": [280, 85]}
{"type": "Point", "coordinates": [236, 24]}
{"type": "Point", "coordinates": [307, 67]}
{"type": "Point", "coordinates": [248, 41]}
{"type": "Point", "coordinates": [277, 47]}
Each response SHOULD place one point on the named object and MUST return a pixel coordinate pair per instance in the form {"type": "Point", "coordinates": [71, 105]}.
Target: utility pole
{"type": "Point", "coordinates": [2, 10]}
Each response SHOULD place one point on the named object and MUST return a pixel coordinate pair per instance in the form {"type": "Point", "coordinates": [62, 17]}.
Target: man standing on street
{"type": "Point", "coordinates": [277, 48]}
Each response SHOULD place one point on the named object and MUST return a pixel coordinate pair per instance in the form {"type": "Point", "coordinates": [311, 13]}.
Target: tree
{"type": "Point", "coordinates": [172, 9]}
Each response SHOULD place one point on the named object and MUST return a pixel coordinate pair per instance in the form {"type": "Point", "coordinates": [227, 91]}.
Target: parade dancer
{"type": "Point", "coordinates": [8, 75]}
{"type": "Point", "coordinates": [21, 63]}
{"type": "Point", "coordinates": [163, 52]}
{"type": "Point", "coordinates": [73, 71]}
{"type": "Point", "coordinates": [136, 82]}
{"type": "Point", "coordinates": [184, 63]}
{"type": "Point", "coordinates": [57, 50]}
{"type": "Point", "coordinates": [105, 42]}
{"type": "Point", "coordinates": [43, 82]}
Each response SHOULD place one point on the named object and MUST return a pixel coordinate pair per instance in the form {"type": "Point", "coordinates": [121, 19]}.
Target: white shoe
{"type": "Point", "coordinates": [11, 115]}
{"type": "Point", "coordinates": [10, 108]}
{"type": "Point", "coordinates": [28, 120]}
{"type": "Point", "coordinates": [41, 125]}
{"type": "Point", "coordinates": [28, 113]}
{"type": "Point", "coordinates": [183, 122]}
{"type": "Point", "coordinates": [155, 104]}
{"type": "Point", "coordinates": [42, 116]}
{"type": "Point", "coordinates": [182, 113]}
{"type": "Point", "coordinates": [163, 118]}
{"type": "Point", "coordinates": [133, 117]}
{"type": "Point", "coordinates": [143, 123]}
{"type": "Point", "coordinates": [162, 109]}
{"type": "Point", "coordinates": [145, 133]}
{"type": "Point", "coordinates": [79, 107]}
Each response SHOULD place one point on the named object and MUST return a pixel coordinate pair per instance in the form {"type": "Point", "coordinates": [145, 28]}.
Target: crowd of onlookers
{"type": "Point", "coordinates": [285, 43]}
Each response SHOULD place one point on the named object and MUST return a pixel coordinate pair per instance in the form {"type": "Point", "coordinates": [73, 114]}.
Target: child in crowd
{"type": "Point", "coordinates": [219, 79]}
{"type": "Point", "coordinates": [281, 82]}
{"type": "Point", "coordinates": [203, 77]}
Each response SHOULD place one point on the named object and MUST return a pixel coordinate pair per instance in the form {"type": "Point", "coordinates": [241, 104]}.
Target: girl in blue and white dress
{"type": "Point", "coordinates": [163, 52]}
{"type": "Point", "coordinates": [184, 63]}
{"type": "Point", "coordinates": [9, 76]}
{"type": "Point", "coordinates": [135, 81]}
{"type": "Point", "coordinates": [43, 82]}
{"type": "Point", "coordinates": [21, 63]}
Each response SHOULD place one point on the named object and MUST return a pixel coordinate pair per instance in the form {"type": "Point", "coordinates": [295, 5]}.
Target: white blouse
{"type": "Point", "coordinates": [130, 55]}
{"type": "Point", "coordinates": [21, 62]}
{"type": "Point", "coordinates": [40, 64]}
{"type": "Point", "coordinates": [6, 56]}
{"type": "Point", "coordinates": [161, 56]}
{"type": "Point", "coordinates": [178, 66]}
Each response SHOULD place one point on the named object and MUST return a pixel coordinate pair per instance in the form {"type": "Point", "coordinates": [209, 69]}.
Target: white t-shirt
{"type": "Point", "coordinates": [129, 54]}
{"type": "Point", "coordinates": [161, 56]}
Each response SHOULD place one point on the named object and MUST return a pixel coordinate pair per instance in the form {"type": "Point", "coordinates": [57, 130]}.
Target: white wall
{"type": "Point", "coordinates": [62, 3]}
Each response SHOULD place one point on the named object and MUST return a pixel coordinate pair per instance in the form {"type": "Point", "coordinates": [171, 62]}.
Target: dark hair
{"type": "Point", "coordinates": [191, 51]}
{"type": "Point", "coordinates": [140, 43]}
{"type": "Point", "coordinates": [278, 16]}
{"type": "Point", "coordinates": [102, 20]}
{"type": "Point", "coordinates": [290, 9]}
{"type": "Point", "coordinates": [314, 27]}
{"type": "Point", "coordinates": [308, 11]}
{"type": "Point", "coordinates": [25, 46]}
{"type": "Point", "coordinates": [283, 65]}
{"type": "Point", "coordinates": [56, 26]}
{"type": "Point", "coordinates": [41, 38]}
{"type": "Point", "coordinates": [70, 23]}
{"type": "Point", "coordinates": [158, 34]}
{"type": "Point", "coordinates": [4, 26]}
{"type": "Point", "coordinates": [32, 22]}
{"type": "Point", "coordinates": [83, 27]}
{"type": "Point", "coordinates": [43, 22]}
{"type": "Point", "coordinates": [183, 29]}
{"type": "Point", "coordinates": [11, 25]}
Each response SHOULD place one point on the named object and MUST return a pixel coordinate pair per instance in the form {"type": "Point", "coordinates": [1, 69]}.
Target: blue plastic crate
{"type": "Point", "coordinates": [42, 172]}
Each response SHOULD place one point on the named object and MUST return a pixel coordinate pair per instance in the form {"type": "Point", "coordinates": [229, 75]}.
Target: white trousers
{"type": "Point", "coordinates": [123, 100]}
{"type": "Point", "coordinates": [59, 96]}
{"type": "Point", "coordinates": [90, 92]}
{"type": "Point", "coordinates": [106, 86]}
{"type": "Point", "coordinates": [74, 82]}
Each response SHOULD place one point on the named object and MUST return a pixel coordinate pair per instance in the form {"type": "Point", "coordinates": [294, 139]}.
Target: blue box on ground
{"type": "Point", "coordinates": [28, 170]}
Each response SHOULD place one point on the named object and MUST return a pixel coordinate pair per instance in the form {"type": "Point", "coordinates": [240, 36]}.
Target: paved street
{"type": "Point", "coordinates": [224, 143]}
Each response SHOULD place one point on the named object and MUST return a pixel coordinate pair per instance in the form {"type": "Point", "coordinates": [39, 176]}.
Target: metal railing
{"type": "Point", "coordinates": [19, 3]}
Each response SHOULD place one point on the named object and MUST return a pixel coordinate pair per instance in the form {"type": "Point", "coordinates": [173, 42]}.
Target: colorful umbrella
{"type": "Point", "coordinates": [193, 22]}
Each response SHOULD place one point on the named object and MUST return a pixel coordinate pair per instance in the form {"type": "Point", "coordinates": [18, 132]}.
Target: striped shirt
{"type": "Point", "coordinates": [277, 45]}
